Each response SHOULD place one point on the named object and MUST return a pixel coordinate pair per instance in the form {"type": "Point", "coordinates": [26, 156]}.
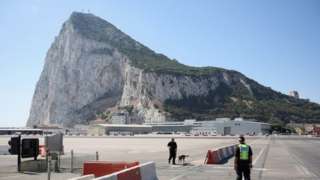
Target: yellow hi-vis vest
{"type": "Point", "coordinates": [244, 152]}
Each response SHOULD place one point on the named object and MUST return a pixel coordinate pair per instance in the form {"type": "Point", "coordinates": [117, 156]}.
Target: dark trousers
{"type": "Point", "coordinates": [172, 155]}
{"type": "Point", "coordinates": [243, 171]}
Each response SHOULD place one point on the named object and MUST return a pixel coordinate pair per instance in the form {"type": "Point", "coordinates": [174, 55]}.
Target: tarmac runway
{"type": "Point", "coordinates": [274, 158]}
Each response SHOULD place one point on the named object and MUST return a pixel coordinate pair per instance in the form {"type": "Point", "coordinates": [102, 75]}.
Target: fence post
{"type": "Point", "coordinates": [49, 167]}
{"type": "Point", "coordinates": [97, 156]}
{"type": "Point", "coordinates": [59, 161]}
{"type": "Point", "coordinates": [71, 161]}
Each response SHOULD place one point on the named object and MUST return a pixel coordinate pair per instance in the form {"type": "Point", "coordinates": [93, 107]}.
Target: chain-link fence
{"type": "Point", "coordinates": [73, 161]}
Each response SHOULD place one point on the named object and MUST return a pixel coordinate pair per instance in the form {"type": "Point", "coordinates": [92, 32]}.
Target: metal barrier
{"type": "Point", "coordinates": [73, 161]}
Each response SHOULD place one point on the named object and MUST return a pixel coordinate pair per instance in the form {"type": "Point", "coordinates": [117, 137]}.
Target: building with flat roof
{"type": "Point", "coordinates": [25, 131]}
{"type": "Point", "coordinates": [172, 127]}
{"type": "Point", "coordinates": [78, 129]}
{"type": "Point", "coordinates": [119, 129]}
{"type": "Point", "coordinates": [232, 127]}
{"type": "Point", "coordinates": [222, 126]}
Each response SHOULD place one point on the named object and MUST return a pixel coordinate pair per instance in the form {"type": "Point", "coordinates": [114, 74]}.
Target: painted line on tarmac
{"type": "Point", "coordinates": [304, 171]}
{"type": "Point", "coordinates": [261, 151]}
{"type": "Point", "coordinates": [259, 155]}
{"type": "Point", "coordinates": [12, 176]}
{"type": "Point", "coordinates": [231, 167]}
{"type": "Point", "coordinates": [185, 174]}
{"type": "Point", "coordinates": [214, 167]}
{"type": "Point", "coordinates": [301, 166]}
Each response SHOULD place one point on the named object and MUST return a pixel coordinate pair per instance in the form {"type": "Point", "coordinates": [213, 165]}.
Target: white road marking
{"type": "Point", "coordinates": [230, 167]}
{"type": "Point", "coordinates": [307, 172]}
{"type": "Point", "coordinates": [259, 155]}
{"type": "Point", "coordinates": [302, 167]}
{"type": "Point", "coordinates": [214, 167]}
{"type": "Point", "coordinates": [184, 174]}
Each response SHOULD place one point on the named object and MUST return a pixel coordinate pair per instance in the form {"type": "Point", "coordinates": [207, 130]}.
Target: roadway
{"type": "Point", "coordinates": [274, 158]}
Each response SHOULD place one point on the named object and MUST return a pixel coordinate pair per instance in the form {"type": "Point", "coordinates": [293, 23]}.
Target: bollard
{"type": "Point", "coordinates": [59, 162]}
{"type": "Point", "coordinates": [49, 167]}
{"type": "Point", "coordinates": [71, 161]}
{"type": "Point", "coordinates": [97, 156]}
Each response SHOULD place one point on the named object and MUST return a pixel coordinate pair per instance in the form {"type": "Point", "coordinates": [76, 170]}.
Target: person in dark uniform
{"type": "Point", "coordinates": [243, 160]}
{"type": "Point", "coordinates": [172, 145]}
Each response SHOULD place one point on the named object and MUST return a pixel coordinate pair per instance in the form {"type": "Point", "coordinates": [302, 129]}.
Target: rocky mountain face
{"type": "Point", "coordinates": [93, 68]}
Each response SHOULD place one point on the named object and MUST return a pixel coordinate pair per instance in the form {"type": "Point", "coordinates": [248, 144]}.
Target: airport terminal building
{"type": "Point", "coordinates": [119, 129]}
{"type": "Point", "coordinates": [24, 131]}
{"type": "Point", "coordinates": [220, 126]}
{"type": "Point", "coordinates": [171, 127]}
{"type": "Point", "coordinates": [226, 126]}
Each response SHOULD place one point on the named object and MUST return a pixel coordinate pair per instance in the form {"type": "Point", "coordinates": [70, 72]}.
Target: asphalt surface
{"type": "Point", "coordinates": [293, 159]}
{"type": "Point", "coordinates": [274, 158]}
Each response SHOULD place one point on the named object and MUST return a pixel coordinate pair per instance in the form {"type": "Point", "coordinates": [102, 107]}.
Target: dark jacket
{"type": "Point", "coordinates": [172, 146]}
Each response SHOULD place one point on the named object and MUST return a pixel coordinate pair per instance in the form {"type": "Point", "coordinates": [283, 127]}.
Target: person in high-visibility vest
{"type": "Point", "coordinates": [243, 160]}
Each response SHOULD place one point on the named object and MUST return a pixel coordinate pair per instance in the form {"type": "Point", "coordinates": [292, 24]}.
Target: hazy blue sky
{"type": "Point", "coordinates": [276, 42]}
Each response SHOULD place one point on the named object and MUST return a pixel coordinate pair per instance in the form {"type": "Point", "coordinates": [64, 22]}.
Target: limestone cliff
{"type": "Point", "coordinates": [93, 67]}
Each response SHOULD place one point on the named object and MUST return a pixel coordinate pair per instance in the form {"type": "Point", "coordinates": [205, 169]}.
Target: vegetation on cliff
{"type": "Point", "coordinates": [263, 103]}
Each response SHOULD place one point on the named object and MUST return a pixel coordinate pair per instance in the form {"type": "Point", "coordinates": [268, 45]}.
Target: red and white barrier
{"type": "Point", "coordinates": [42, 150]}
{"type": "Point", "coordinates": [224, 152]}
{"type": "Point", "coordinates": [102, 168]}
{"type": "Point", "coordinates": [145, 171]}
{"type": "Point", "coordinates": [213, 157]}
{"type": "Point", "coordinates": [219, 155]}
{"type": "Point", "coordinates": [230, 150]}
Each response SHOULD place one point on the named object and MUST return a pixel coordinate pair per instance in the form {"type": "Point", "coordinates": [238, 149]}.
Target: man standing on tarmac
{"type": "Point", "coordinates": [172, 145]}
{"type": "Point", "coordinates": [243, 160]}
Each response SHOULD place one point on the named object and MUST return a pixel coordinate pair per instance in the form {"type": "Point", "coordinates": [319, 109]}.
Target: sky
{"type": "Point", "coordinates": [275, 42]}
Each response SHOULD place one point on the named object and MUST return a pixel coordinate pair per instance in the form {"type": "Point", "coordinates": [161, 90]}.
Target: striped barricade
{"type": "Point", "coordinates": [145, 171]}
{"type": "Point", "coordinates": [213, 157]}
{"type": "Point", "coordinates": [220, 155]}
{"type": "Point", "coordinates": [101, 168]}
